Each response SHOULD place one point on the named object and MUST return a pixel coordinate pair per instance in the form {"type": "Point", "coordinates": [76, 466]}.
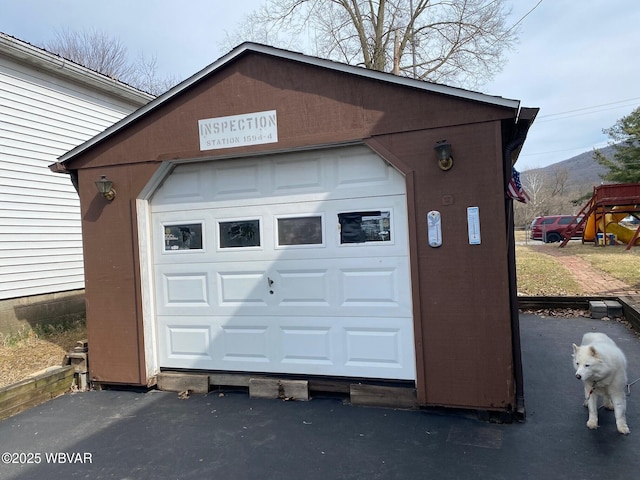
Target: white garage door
{"type": "Point", "coordinates": [296, 263]}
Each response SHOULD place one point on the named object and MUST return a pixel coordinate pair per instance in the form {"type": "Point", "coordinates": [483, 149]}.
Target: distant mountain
{"type": "Point", "coordinates": [583, 170]}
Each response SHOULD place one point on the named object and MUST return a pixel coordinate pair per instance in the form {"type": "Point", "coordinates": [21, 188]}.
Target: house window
{"type": "Point", "coordinates": [239, 233]}
{"type": "Point", "coordinates": [183, 237]}
{"type": "Point", "coordinates": [300, 230]}
{"type": "Point", "coordinates": [365, 227]}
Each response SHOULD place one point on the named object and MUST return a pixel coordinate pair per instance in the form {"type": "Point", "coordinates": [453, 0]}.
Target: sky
{"type": "Point", "coordinates": [576, 61]}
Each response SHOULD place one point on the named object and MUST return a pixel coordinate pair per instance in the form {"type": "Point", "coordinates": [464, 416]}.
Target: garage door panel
{"type": "Point", "coordinates": [307, 345]}
{"type": "Point", "coordinates": [268, 216]}
{"type": "Point", "coordinates": [353, 173]}
{"type": "Point", "coordinates": [184, 185]}
{"type": "Point", "coordinates": [302, 288]}
{"type": "Point", "coordinates": [345, 287]}
{"type": "Point", "coordinates": [322, 288]}
{"type": "Point", "coordinates": [243, 288]}
{"type": "Point", "coordinates": [369, 287]}
{"type": "Point", "coordinates": [180, 289]}
{"type": "Point", "coordinates": [330, 287]}
{"type": "Point", "coordinates": [188, 345]}
{"type": "Point", "coordinates": [374, 288]}
{"type": "Point", "coordinates": [236, 181]}
{"type": "Point", "coordinates": [353, 347]}
{"type": "Point", "coordinates": [374, 347]}
{"type": "Point", "coordinates": [358, 171]}
{"type": "Point", "coordinates": [298, 175]}
{"type": "Point", "coordinates": [244, 343]}
{"type": "Point", "coordinates": [187, 289]}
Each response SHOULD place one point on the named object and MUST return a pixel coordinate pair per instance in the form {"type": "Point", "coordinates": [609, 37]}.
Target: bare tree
{"type": "Point", "coordinates": [533, 183]}
{"type": "Point", "coordinates": [559, 180]}
{"type": "Point", "coordinates": [93, 49]}
{"type": "Point", "coordinates": [145, 76]}
{"type": "Point", "coordinates": [456, 41]}
{"type": "Point", "coordinates": [102, 53]}
{"type": "Point", "coordinates": [549, 193]}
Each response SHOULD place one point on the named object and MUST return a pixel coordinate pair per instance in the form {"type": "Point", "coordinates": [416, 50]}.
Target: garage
{"type": "Point", "coordinates": [293, 263]}
{"type": "Point", "coordinates": [286, 217]}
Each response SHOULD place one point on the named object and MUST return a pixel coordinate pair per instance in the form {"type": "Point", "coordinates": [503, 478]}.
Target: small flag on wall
{"type": "Point", "coordinates": [515, 190]}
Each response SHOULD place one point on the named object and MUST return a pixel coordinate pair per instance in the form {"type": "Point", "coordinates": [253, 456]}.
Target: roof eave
{"type": "Point", "coordinates": [57, 65]}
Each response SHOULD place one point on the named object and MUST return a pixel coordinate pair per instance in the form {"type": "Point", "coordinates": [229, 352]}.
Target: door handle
{"type": "Point", "coordinates": [270, 282]}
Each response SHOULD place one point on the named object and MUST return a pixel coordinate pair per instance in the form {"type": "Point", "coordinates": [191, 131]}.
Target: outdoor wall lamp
{"type": "Point", "coordinates": [443, 152]}
{"type": "Point", "coordinates": [104, 188]}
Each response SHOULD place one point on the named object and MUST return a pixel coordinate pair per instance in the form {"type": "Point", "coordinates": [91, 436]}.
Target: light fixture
{"type": "Point", "coordinates": [443, 151]}
{"type": "Point", "coordinates": [104, 188]}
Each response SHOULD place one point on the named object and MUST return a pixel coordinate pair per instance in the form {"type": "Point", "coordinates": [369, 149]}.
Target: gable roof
{"type": "Point", "coordinates": [37, 57]}
{"type": "Point", "coordinates": [297, 57]}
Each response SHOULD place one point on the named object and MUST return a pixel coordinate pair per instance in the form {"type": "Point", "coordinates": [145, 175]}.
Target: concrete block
{"type": "Point", "coordinates": [78, 361]}
{"type": "Point", "coordinates": [597, 309]}
{"type": "Point", "coordinates": [82, 382]}
{"type": "Point", "coordinates": [614, 309]}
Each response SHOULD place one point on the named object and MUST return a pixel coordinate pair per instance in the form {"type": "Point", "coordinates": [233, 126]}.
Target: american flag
{"type": "Point", "coordinates": [515, 190]}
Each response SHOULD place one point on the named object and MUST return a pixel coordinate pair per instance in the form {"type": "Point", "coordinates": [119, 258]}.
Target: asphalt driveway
{"type": "Point", "coordinates": [139, 435]}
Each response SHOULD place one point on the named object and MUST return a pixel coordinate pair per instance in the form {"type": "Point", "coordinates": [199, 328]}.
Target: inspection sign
{"type": "Point", "coordinates": [238, 130]}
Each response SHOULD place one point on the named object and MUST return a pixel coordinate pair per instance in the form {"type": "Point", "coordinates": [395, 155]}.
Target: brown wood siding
{"type": "Point", "coordinates": [112, 287]}
{"type": "Point", "coordinates": [461, 291]}
{"type": "Point", "coordinates": [464, 293]}
{"type": "Point", "coordinates": [314, 106]}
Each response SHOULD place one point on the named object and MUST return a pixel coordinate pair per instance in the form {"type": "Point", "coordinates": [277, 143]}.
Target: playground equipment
{"type": "Point", "coordinates": [603, 212]}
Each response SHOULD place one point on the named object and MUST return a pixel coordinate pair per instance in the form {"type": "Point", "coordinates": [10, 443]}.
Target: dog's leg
{"type": "Point", "coordinates": [620, 410]}
{"type": "Point", "coordinates": [608, 404]}
{"type": "Point", "coordinates": [587, 393]}
{"type": "Point", "coordinates": [592, 404]}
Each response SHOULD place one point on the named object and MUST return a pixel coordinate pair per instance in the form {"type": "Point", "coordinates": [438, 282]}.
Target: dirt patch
{"type": "Point", "coordinates": [26, 354]}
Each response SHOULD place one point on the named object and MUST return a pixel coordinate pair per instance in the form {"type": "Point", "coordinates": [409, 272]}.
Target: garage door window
{"type": "Point", "coordinates": [300, 230]}
{"type": "Point", "coordinates": [183, 237]}
{"type": "Point", "coordinates": [365, 227]}
{"type": "Point", "coordinates": [239, 233]}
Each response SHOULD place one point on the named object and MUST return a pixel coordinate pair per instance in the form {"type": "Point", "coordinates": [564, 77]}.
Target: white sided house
{"type": "Point", "coordinates": [48, 105]}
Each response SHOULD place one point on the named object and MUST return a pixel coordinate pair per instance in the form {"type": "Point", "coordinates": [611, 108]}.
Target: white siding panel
{"type": "Point", "coordinates": [42, 117]}
{"type": "Point", "coordinates": [21, 157]}
{"type": "Point", "coordinates": [25, 197]}
{"type": "Point", "coordinates": [34, 208]}
{"type": "Point", "coordinates": [63, 222]}
{"type": "Point", "coordinates": [15, 139]}
{"type": "Point", "coordinates": [26, 177]}
{"type": "Point", "coordinates": [15, 262]}
{"type": "Point", "coordinates": [41, 241]}
{"type": "Point", "coordinates": [40, 286]}
{"type": "Point", "coordinates": [24, 256]}
{"type": "Point", "coordinates": [21, 187]}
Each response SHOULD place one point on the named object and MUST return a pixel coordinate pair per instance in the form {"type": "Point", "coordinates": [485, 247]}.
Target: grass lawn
{"type": "Point", "coordinates": [540, 274]}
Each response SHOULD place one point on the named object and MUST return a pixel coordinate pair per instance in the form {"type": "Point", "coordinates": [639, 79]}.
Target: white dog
{"type": "Point", "coordinates": [602, 367]}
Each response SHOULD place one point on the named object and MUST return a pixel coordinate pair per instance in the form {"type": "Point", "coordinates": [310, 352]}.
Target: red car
{"type": "Point", "coordinates": [550, 228]}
